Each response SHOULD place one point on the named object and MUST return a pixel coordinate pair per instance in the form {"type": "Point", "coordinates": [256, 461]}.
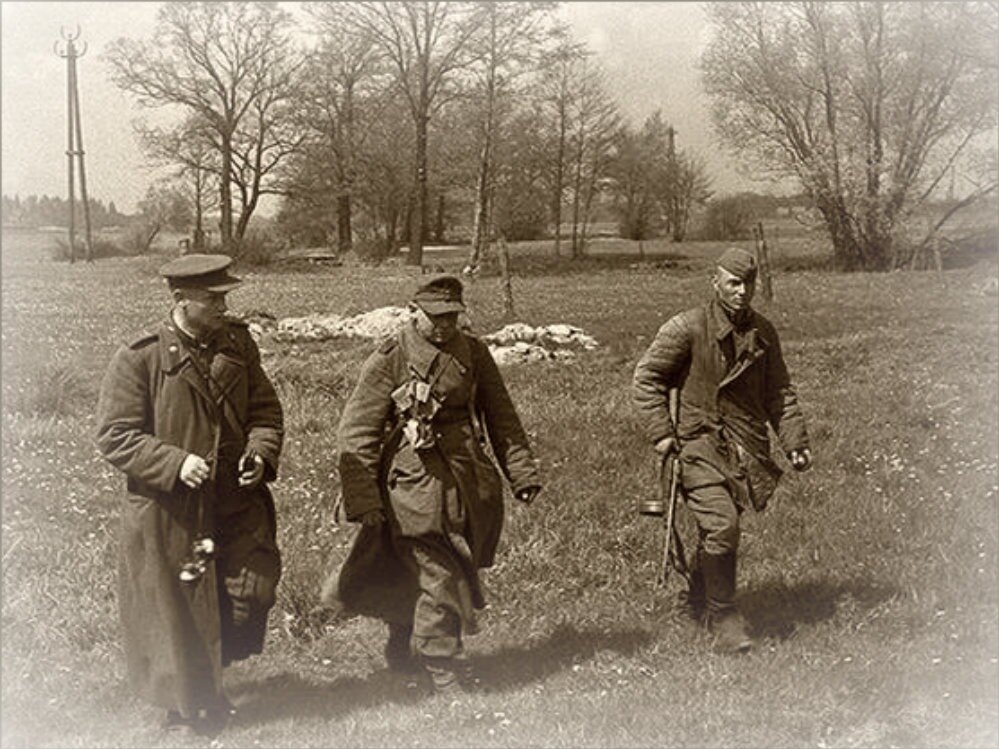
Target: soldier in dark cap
{"type": "Point", "coordinates": [415, 475]}
{"type": "Point", "coordinates": [725, 359]}
{"type": "Point", "coordinates": [188, 415]}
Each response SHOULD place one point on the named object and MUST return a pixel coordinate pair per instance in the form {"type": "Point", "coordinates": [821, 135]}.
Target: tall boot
{"type": "Point", "coordinates": [691, 601]}
{"type": "Point", "coordinates": [398, 651]}
{"type": "Point", "coordinates": [723, 618]}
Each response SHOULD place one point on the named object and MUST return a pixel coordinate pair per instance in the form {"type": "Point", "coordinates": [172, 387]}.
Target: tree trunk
{"type": "Point", "coordinates": [439, 223]}
{"type": "Point", "coordinates": [345, 240]}
{"type": "Point", "coordinates": [417, 226]}
{"type": "Point", "coordinates": [559, 184]}
{"type": "Point", "coordinates": [225, 195]}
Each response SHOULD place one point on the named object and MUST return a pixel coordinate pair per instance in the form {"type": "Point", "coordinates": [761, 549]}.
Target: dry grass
{"type": "Point", "coordinates": [871, 581]}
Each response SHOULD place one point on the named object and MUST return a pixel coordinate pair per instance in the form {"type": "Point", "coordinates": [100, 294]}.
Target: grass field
{"type": "Point", "coordinates": [871, 581]}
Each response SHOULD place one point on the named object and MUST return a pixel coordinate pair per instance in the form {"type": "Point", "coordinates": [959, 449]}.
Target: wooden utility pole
{"type": "Point", "coordinates": [74, 140]}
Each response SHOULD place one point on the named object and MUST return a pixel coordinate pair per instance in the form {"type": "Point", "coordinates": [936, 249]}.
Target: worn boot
{"type": "Point", "coordinates": [691, 600]}
{"type": "Point", "coordinates": [398, 651]}
{"type": "Point", "coordinates": [723, 618]}
{"type": "Point", "coordinates": [445, 674]}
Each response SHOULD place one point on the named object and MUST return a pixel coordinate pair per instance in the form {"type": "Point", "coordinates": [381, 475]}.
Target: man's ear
{"type": "Point", "coordinates": [178, 295]}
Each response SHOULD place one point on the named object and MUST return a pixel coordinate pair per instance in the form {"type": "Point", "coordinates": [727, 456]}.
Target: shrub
{"type": "Point", "coordinates": [728, 219]}
{"type": "Point", "coordinates": [257, 247]}
{"type": "Point", "coordinates": [372, 249]}
{"type": "Point", "coordinates": [101, 248]}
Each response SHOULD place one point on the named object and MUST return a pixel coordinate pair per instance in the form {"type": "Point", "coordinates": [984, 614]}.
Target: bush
{"type": "Point", "coordinates": [257, 247]}
{"type": "Point", "coordinates": [729, 219]}
{"type": "Point", "coordinates": [102, 248]}
{"type": "Point", "coordinates": [373, 249]}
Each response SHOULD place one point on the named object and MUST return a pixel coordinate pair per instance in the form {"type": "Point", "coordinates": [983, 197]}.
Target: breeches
{"type": "Point", "coordinates": [717, 518]}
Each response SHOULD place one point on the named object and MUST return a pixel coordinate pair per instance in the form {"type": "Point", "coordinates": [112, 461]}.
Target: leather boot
{"type": "Point", "coordinates": [691, 601]}
{"type": "Point", "coordinates": [444, 674]}
{"type": "Point", "coordinates": [723, 618]}
{"type": "Point", "coordinates": [398, 651]}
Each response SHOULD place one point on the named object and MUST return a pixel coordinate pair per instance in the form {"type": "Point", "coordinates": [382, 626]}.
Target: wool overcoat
{"type": "Point", "coordinates": [448, 496]}
{"type": "Point", "coordinates": [731, 388]}
{"type": "Point", "coordinates": [155, 408]}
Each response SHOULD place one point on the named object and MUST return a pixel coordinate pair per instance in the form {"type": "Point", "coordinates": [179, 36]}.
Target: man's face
{"type": "Point", "coordinates": [204, 311]}
{"type": "Point", "coordinates": [437, 329]}
{"type": "Point", "coordinates": [733, 292]}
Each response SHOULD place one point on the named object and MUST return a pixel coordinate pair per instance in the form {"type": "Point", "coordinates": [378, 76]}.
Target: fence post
{"type": "Point", "coordinates": [504, 263]}
{"type": "Point", "coordinates": [763, 260]}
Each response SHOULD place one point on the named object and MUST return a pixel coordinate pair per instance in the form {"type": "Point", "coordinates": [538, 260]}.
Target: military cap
{"type": "Point", "coordinates": [739, 263]}
{"type": "Point", "coordinates": [197, 271]}
{"type": "Point", "coordinates": [440, 295]}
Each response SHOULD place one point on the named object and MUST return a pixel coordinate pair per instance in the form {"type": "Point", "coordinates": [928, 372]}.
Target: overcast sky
{"type": "Point", "coordinates": [648, 49]}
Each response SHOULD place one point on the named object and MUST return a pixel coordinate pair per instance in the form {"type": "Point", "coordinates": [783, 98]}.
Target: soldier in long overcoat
{"type": "Point", "coordinates": [415, 473]}
{"type": "Point", "coordinates": [725, 359]}
{"type": "Point", "coordinates": [188, 415]}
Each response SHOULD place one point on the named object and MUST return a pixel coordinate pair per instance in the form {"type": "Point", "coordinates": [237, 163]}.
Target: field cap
{"type": "Point", "coordinates": [440, 295]}
{"type": "Point", "coordinates": [739, 263]}
{"type": "Point", "coordinates": [197, 271]}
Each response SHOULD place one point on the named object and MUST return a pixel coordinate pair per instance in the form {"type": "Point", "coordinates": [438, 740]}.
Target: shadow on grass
{"type": "Point", "coordinates": [774, 609]}
{"type": "Point", "coordinates": [289, 695]}
{"type": "Point", "coordinates": [511, 667]}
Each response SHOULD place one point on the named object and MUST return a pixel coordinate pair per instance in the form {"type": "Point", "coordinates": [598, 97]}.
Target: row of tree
{"type": "Point", "coordinates": [36, 211]}
{"type": "Point", "coordinates": [392, 116]}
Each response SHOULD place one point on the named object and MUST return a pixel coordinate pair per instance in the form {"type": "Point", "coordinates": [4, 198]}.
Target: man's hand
{"type": "Point", "coordinates": [527, 494]}
{"type": "Point", "coordinates": [373, 517]}
{"type": "Point", "coordinates": [194, 470]}
{"type": "Point", "coordinates": [666, 445]}
{"type": "Point", "coordinates": [251, 469]}
{"type": "Point", "coordinates": [801, 460]}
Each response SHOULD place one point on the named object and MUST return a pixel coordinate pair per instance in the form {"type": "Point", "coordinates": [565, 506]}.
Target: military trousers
{"type": "Point", "coordinates": [717, 517]}
{"type": "Point", "coordinates": [443, 599]}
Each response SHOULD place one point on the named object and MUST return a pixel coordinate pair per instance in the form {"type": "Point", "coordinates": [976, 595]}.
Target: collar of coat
{"type": "Point", "coordinates": [724, 327]}
{"type": "Point", "coordinates": [422, 355]}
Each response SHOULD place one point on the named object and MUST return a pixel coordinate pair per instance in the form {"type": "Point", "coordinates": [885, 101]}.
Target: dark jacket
{"type": "Point", "coordinates": [154, 409]}
{"type": "Point", "coordinates": [731, 387]}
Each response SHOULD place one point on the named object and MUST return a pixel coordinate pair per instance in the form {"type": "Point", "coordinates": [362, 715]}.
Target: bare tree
{"type": "Point", "coordinates": [233, 65]}
{"type": "Point", "coordinates": [595, 121]}
{"type": "Point", "coordinates": [507, 45]}
{"type": "Point", "coordinates": [345, 73]}
{"type": "Point", "coordinates": [685, 184]}
{"type": "Point", "coordinates": [556, 88]}
{"type": "Point", "coordinates": [426, 43]}
{"type": "Point", "coordinates": [869, 105]}
{"type": "Point", "coordinates": [190, 150]}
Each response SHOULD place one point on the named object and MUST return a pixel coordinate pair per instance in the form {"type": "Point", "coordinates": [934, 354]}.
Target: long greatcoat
{"type": "Point", "coordinates": [154, 409]}
{"type": "Point", "coordinates": [448, 496]}
{"type": "Point", "coordinates": [731, 388]}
